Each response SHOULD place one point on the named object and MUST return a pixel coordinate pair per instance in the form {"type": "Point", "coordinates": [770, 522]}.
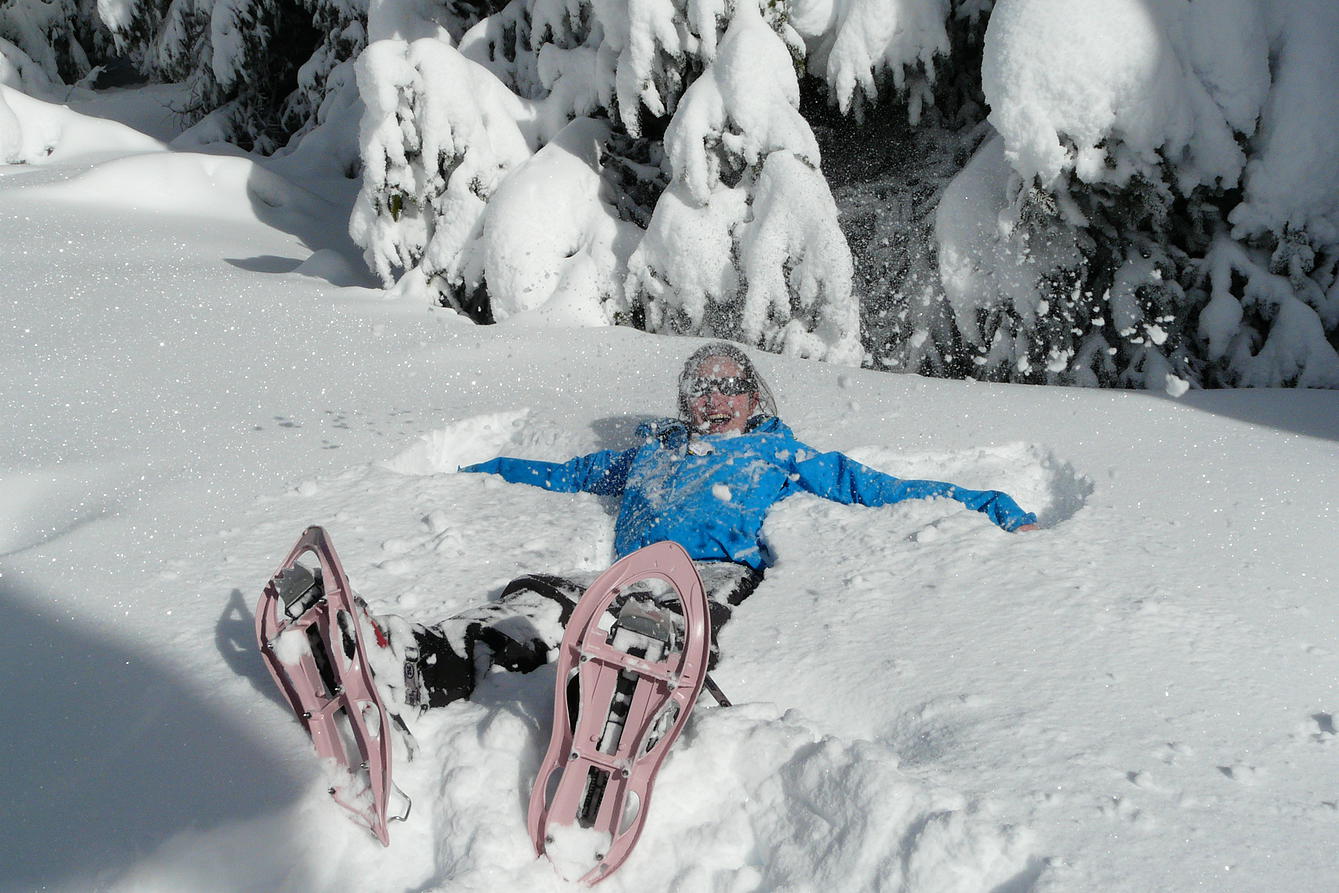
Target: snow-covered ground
{"type": "Point", "coordinates": [1140, 696]}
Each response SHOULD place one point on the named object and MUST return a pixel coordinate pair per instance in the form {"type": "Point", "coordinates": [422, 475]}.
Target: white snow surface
{"type": "Point", "coordinates": [1139, 696]}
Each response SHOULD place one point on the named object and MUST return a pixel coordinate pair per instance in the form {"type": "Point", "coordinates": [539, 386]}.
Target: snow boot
{"type": "Point", "coordinates": [416, 667]}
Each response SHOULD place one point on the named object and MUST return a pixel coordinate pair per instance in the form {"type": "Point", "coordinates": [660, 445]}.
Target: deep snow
{"type": "Point", "coordinates": [1139, 696]}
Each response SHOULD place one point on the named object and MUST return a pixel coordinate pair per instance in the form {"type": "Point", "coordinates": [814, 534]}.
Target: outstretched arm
{"type": "Point", "coordinates": [840, 478]}
{"type": "Point", "coordinates": [604, 473]}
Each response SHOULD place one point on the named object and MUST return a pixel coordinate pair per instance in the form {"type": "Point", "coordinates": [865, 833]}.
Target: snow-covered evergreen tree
{"type": "Point", "coordinates": [1151, 204]}
{"type": "Point", "coordinates": [896, 126]}
{"type": "Point", "coordinates": [1156, 211]}
{"type": "Point", "coordinates": [745, 241]}
{"type": "Point", "coordinates": [900, 49]}
{"type": "Point", "coordinates": [257, 69]}
{"type": "Point", "coordinates": [460, 167]}
{"type": "Point", "coordinates": [62, 38]}
{"type": "Point", "coordinates": [19, 72]}
{"type": "Point", "coordinates": [439, 134]}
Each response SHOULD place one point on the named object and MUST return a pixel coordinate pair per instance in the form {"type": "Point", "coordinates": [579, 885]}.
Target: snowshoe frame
{"type": "Point", "coordinates": [333, 689]}
{"type": "Point", "coordinates": [663, 688]}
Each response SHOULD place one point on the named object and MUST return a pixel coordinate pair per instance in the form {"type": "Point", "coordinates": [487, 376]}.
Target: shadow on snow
{"type": "Point", "coordinates": [109, 753]}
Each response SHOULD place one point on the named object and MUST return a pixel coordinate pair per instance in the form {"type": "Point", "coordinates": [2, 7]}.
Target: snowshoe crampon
{"type": "Point", "coordinates": [306, 624]}
{"type": "Point", "coordinates": [626, 685]}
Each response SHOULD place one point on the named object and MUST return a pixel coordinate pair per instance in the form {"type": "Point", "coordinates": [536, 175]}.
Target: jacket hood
{"type": "Point", "coordinates": [766, 402]}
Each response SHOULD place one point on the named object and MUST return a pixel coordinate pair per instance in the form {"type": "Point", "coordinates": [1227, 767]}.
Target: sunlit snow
{"type": "Point", "coordinates": [1139, 696]}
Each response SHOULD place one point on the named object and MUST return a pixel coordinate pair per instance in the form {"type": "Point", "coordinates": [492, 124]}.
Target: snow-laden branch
{"type": "Point", "coordinates": [745, 243]}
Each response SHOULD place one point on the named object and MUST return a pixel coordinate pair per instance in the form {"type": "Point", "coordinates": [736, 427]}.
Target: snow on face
{"type": "Point", "coordinates": [717, 413]}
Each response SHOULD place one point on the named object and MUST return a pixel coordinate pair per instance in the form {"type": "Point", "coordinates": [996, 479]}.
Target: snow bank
{"type": "Point", "coordinates": [750, 799]}
{"type": "Point", "coordinates": [465, 442]}
{"type": "Point", "coordinates": [756, 799]}
{"type": "Point", "coordinates": [562, 267]}
{"type": "Point", "coordinates": [189, 184]}
{"type": "Point", "coordinates": [36, 132]}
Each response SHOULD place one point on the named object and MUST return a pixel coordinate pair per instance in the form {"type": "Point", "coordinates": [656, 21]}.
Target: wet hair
{"type": "Point", "coordinates": [728, 351]}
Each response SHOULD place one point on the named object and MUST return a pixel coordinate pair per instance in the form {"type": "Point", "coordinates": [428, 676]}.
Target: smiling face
{"type": "Point", "coordinates": [720, 398]}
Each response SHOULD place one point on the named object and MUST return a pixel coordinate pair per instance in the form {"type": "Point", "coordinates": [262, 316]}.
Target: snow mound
{"type": "Point", "coordinates": [37, 132]}
{"type": "Point", "coordinates": [186, 183]}
{"type": "Point", "coordinates": [471, 440]}
{"type": "Point", "coordinates": [751, 798]}
{"type": "Point", "coordinates": [756, 799]}
{"type": "Point", "coordinates": [334, 268]}
{"type": "Point", "coordinates": [519, 433]}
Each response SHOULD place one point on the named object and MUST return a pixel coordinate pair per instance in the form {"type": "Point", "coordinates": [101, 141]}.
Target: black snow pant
{"type": "Point", "coordinates": [520, 630]}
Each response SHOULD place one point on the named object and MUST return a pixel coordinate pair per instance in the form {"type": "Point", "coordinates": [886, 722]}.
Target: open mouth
{"type": "Point", "coordinates": [720, 418]}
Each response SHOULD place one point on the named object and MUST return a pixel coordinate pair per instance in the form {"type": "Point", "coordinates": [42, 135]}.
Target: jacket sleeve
{"type": "Point", "coordinates": [604, 473]}
{"type": "Point", "coordinates": [840, 478]}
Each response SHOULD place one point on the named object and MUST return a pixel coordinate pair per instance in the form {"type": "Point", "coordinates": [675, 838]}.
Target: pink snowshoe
{"type": "Point", "coordinates": [625, 688]}
{"type": "Point", "coordinates": [308, 630]}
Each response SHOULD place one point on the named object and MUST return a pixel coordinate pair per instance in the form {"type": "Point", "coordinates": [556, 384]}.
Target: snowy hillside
{"type": "Point", "coordinates": [1139, 696]}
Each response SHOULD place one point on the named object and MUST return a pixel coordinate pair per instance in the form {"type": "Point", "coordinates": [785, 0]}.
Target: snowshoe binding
{"type": "Point", "coordinates": [307, 625]}
{"type": "Point", "coordinates": [631, 665]}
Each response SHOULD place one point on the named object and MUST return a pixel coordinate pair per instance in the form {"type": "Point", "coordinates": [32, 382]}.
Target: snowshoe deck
{"type": "Point", "coordinates": [624, 693]}
{"type": "Point", "coordinates": [306, 625]}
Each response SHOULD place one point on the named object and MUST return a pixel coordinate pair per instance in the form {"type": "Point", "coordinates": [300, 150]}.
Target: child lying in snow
{"type": "Point", "coordinates": [705, 480]}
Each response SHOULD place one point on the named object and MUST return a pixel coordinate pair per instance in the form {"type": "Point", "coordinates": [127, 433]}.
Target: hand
{"type": "Point", "coordinates": [1025, 528]}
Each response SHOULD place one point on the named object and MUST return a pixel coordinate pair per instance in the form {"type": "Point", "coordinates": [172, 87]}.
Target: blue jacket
{"type": "Point", "coordinates": [711, 494]}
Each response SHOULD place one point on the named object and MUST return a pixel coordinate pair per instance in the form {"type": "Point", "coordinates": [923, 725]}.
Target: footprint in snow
{"type": "Point", "coordinates": [436, 521]}
{"type": "Point", "coordinates": [401, 567]}
{"type": "Point", "coordinates": [1145, 781]}
{"type": "Point", "coordinates": [1320, 728]}
{"type": "Point", "coordinates": [1240, 772]}
{"type": "Point", "coordinates": [1121, 809]}
{"type": "Point", "coordinates": [398, 546]}
{"type": "Point", "coordinates": [1172, 752]}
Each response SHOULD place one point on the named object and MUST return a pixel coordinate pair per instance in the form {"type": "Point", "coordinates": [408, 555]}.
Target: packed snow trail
{"type": "Point", "coordinates": [1139, 696]}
